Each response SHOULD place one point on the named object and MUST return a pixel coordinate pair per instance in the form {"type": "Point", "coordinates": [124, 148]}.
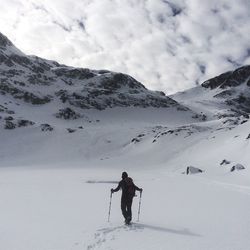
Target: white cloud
{"type": "Point", "coordinates": [168, 45]}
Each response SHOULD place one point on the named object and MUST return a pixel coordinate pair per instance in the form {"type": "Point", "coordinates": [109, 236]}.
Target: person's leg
{"type": "Point", "coordinates": [129, 209]}
{"type": "Point", "coordinates": [124, 208]}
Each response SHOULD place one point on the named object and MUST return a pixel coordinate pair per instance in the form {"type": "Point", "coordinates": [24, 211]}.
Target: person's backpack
{"type": "Point", "coordinates": [129, 186]}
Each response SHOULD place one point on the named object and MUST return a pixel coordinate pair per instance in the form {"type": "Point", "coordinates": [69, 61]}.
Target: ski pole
{"type": "Point", "coordinates": [139, 209]}
{"type": "Point", "coordinates": [110, 205]}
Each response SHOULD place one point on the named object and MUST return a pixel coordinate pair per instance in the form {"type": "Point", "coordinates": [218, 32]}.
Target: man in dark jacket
{"type": "Point", "coordinates": [128, 193]}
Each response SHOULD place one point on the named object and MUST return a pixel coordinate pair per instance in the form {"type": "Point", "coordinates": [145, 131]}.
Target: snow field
{"type": "Point", "coordinates": [58, 209]}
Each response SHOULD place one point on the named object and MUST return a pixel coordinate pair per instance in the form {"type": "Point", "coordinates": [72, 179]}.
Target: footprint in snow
{"type": "Point", "coordinates": [109, 233]}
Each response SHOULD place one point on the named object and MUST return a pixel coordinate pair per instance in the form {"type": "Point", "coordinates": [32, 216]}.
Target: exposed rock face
{"type": "Point", "coordinates": [230, 79]}
{"type": "Point", "coordinates": [38, 81]}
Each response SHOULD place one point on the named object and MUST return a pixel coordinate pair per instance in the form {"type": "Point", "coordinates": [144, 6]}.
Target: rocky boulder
{"type": "Point", "coordinates": [237, 167]}
{"type": "Point", "coordinates": [193, 170]}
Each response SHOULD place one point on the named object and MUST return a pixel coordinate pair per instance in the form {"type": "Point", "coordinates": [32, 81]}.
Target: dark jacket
{"type": "Point", "coordinates": [122, 185]}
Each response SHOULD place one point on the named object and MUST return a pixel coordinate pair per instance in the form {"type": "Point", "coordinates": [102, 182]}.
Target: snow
{"type": "Point", "coordinates": [55, 186]}
{"type": "Point", "coordinates": [56, 208]}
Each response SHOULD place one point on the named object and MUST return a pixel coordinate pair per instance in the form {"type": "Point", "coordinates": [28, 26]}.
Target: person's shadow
{"type": "Point", "coordinates": [140, 226]}
{"type": "Point", "coordinates": [184, 231]}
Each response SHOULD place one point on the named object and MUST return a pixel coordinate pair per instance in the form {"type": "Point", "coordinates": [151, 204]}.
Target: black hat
{"type": "Point", "coordinates": [124, 175]}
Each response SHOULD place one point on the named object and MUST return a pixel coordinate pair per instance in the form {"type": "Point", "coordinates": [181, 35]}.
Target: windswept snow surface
{"type": "Point", "coordinates": [67, 208]}
{"type": "Point", "coordinates": [55, 186]}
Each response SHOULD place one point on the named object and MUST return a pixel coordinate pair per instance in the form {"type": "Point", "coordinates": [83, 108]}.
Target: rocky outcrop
{"type": "Point", "coordinates": [237, 167]}
{"type": "Point", "coordinates": [193, 170]}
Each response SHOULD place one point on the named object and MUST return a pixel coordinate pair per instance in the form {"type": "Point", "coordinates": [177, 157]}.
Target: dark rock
{"type": "Point", "coordinates": [46, 127]}
{"type": "Point", "coordinates": [9, 118]}
{"type": "Point", "coordinates": [241, 104]}
{"type": "Point", "coordinates": [248, 82]}
{"type": "Point", "coordinates": [33, 99]}
{"type": "Point", "coordinates": [237, 167]}
{"type": "Point", "coordinates": [193, 170]}
{"type": "Point", "coordinates": [225, 162]}
{"type": "Point", "coordinates": [24, 95]}
{"type": "Point", "coordinates": [141, 135]}
{"type": "Point", "coordinates": [135, 140]}
{"type": "Point", "coordinates": [24, 123]}
{"type": "Point", "coordinates": [201, 116]}
{"type": "Point", "coordinates": [68, 114]}
{"type": "Point", "coordinates": [75, 73]}
{"type": "Point", "coordinates": [9, 125]}
{"type": "Point", "coordinates": [70, 130]}
{"type": "Point", "coordinates": [225, 94]}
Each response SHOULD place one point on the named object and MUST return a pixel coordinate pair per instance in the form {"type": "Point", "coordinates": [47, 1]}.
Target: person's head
{"type": "Point", "coordinates": [124, 175]}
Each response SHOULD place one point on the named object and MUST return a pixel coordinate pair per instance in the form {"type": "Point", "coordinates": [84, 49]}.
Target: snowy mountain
{"type": "Point", "coordinates": [38, 95]}
{"type": "Point", "coordinates": [38, 81]}
{"type": "Point", "coordinates": [67, 134]}
{"type": "Point", "coordinates": [229, 93]}
{"type": "Point", "coordinates": [126, 119]}
{"type": "Point", "coordinates": [42, 95]}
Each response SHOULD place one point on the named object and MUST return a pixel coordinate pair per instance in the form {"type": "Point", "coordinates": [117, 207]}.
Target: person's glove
{"type": "Point", "coordinates": [112, 190]}
{"type": "Point", "coordinates": [141, 189]}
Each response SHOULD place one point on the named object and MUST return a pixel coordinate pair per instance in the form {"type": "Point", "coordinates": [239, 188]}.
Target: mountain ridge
{"type": "Point", "coordinates": [23, 77]}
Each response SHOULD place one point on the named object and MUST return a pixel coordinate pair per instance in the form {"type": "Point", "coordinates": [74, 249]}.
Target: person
{"type": "Point", "coordinates": [128, 192]}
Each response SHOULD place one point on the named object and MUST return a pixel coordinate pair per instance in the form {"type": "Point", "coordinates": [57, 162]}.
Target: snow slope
{"type": "Point", "coordinates": [60, 154]}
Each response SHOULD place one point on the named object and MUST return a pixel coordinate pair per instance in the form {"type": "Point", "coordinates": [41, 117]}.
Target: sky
{"type": "Point", "coordinates": [168, 45]}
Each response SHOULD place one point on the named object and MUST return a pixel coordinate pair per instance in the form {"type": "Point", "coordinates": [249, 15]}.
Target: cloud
{"type": "Point", "coordinates": [168, 45]}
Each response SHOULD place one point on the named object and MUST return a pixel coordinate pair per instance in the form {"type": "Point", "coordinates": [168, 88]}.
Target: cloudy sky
{"type": "Point", "coordinates": [168, 45]}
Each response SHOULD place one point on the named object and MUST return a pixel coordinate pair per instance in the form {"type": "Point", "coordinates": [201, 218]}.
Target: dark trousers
{"type": "Point", "coordinates": [126, 204]}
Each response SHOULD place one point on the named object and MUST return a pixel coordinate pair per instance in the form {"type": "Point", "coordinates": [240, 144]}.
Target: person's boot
{"type": "Point", "coordinates": [128, 220]}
